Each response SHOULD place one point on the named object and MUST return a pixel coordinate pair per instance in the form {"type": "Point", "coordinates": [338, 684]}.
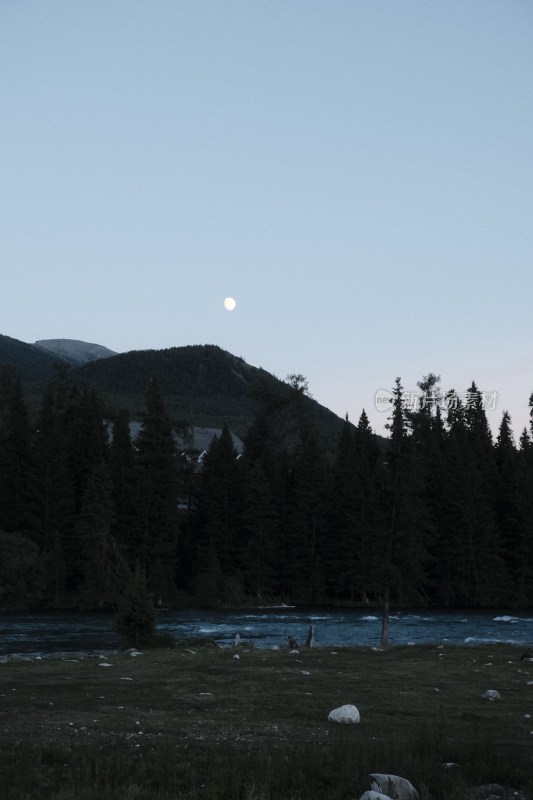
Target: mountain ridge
{"type": "Point", "coordinates": [74, 351]}
{"type": "Point", "coordinates": [203, 385]}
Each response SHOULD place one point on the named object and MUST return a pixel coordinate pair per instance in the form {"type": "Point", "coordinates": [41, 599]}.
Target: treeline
{"type": "Point", "coordinates": [438, 513]}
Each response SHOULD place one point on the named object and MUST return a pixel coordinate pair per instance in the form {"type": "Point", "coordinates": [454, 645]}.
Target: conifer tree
{"type": "Point", "coordinates": [135, 613]}
{"type": "Point", "coordinates": [93, 528]}
{"type": "Point", "coordinates": [123, 474]}
{"type": "Point", "coordinates": [86, 434]}
{"type": "Point", "coordinates": [157, 481]}
{"type": "Point", "coordinates": [408, 523]}
{"type": "Point", "coordinates": [513, 515]}
{"type": "Point", "coordinates": [52, 508]}
{"type": "Point", "coordinates": [306, 515]}
{"type": "Point", "coordinates": [14, 456]}
{"type": "Point", "coordinates": [480, 456]}
{"type": "Point", "coordinates": [261, 525]}
{"type": "Point", "coordinates": [219, 514]}
{"type": "Point", "coordinates": [342, 546]}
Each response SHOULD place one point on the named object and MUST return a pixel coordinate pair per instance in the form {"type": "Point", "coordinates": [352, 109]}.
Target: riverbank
{"type": "Point", "coordinates": [197, 722]}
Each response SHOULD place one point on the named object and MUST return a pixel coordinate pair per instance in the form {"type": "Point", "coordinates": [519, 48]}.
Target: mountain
{"type": "Point", "coordinates": [203, 385]}
{"type": "Point", "coordinates": [33, 364]}
{"type": "Point", "coordinates": [73, 351]}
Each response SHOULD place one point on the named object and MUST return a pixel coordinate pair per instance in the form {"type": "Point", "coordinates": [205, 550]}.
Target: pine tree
{"type": "Point", "coordinates": [52, 507]}
{"type": "Point", "coordinates": [14, 456]}
{"type": "Point", "coordinates": [123, 474]}
{"type": "Point", "coordinates": [306, 517]}
{"type": "Point", "coordinates": [136, 614]}
{"type": "Point", "coordinates": [93, 528]}
{"type": "Point", "coordinates": [87, 437]}
{"type": "Point", "coordinates": [219, 517]}
{"type": "Point", "coordinates": [157, 481]}
{"type": "Point", "coordinates": [342, 546]}
{"type": "Point", "coordinates": [408, 524]}
{"type": "Point", "coordinates": [512, 515]}
{"type": "Point", "coordinates": [22, 573]}
{"type": "Point", "coordinates": [261, 524]}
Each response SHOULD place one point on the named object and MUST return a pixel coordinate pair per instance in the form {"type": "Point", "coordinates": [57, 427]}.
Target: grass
{"type": "Point", "coordinates": [197, 723]}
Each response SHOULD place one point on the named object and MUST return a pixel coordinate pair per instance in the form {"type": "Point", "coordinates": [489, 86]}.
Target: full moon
{"type": "Point", "coordinates": [229, 303]}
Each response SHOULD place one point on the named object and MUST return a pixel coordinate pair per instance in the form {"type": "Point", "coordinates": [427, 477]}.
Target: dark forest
{"type": "Point", "coordinates": [440, 513]}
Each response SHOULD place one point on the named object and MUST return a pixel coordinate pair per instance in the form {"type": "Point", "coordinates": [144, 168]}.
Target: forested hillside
{"type": "Point", "coordinates": [33, 364]}
{"type": "Point", "coordinates": [202, 384]}
{"type": "Point", "coordinates": [443, 516]}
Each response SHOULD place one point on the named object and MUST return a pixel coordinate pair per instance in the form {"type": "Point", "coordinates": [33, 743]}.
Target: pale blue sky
{"type": "Point", "coordinates": [358, 174]}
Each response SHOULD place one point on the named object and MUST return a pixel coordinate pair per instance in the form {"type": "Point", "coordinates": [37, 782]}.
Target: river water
{"type": "Point", "coordinates": [55, 633]}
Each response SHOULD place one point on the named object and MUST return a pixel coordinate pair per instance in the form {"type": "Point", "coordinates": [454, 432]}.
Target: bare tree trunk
{"type": "Point", "coordinates": [385, 620]}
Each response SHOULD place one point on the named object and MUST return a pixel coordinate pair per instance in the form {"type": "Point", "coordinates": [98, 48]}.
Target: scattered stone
{"type": "Point", "coordinates": [392, 785]}
{"type": "Point", "coordinates": [126, 679]}
{"type": "Point", "coordinates": [345, 714]}
{"type": "Point", "coordinates": [305, 672]}
{"type": "Point", "coordinates": [371, 795]}
{"type": "Point", "coordinates": [491, 694]}
{"type": "Point", "coordinates": [237, 656]}
{"type": "Point", "coordinates": [294, 652]}
{"type": "Point", "coordinates": [104, 664]}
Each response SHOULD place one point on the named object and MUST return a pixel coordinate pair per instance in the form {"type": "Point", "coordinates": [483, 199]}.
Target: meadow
{"type": "Point", "coordinates": [197, 722]}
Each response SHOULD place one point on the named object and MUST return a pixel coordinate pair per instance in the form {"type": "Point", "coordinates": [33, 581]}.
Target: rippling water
{"type": "Point", "coordinates": [43, 634]}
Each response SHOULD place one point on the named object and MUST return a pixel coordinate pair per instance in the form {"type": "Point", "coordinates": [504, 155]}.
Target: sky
{"type": "Point", "coordinates": [357, 174]}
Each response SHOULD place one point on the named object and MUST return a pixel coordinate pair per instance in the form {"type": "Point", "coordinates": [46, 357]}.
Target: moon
{"type": "Point", "coordinates": [229, 303]}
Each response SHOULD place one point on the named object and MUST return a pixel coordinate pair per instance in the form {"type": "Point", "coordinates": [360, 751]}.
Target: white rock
{"type": "Point", "coordinates": [294, 652]}
{"type": "Point", "coordinates": [392, 785]}
{"type": "Point", "coordinates": [491, 694]}
{"type": "Point", "coordinates": [237, 656]}
{"type": "Point", "coordinates": [371, 795]}
{"type": "Point", "coordinates": [347, 714]}
{"type": "Point", "coordinates": [104, 664]}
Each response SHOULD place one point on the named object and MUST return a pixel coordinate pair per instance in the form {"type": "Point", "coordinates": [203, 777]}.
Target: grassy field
{"type": "Point", "coordinates": [195, 722]}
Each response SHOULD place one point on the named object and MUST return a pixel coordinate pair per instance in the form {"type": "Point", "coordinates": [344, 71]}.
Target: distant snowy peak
{"type": "Point", "coordinates": [74, 351]}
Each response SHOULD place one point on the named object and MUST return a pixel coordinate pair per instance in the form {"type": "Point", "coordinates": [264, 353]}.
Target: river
{"type": "Point", "coordinates": [63, 634]}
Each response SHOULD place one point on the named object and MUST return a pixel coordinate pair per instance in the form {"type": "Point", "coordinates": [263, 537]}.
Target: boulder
{"type": "Point", "coordinates": [491, 694]}
{"type": "Point", "coordinates": [347, 714]}
{"type": "Point", "coordinates": [371, 795]}
{"type": "Point", "coordinates": [392, 785]}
